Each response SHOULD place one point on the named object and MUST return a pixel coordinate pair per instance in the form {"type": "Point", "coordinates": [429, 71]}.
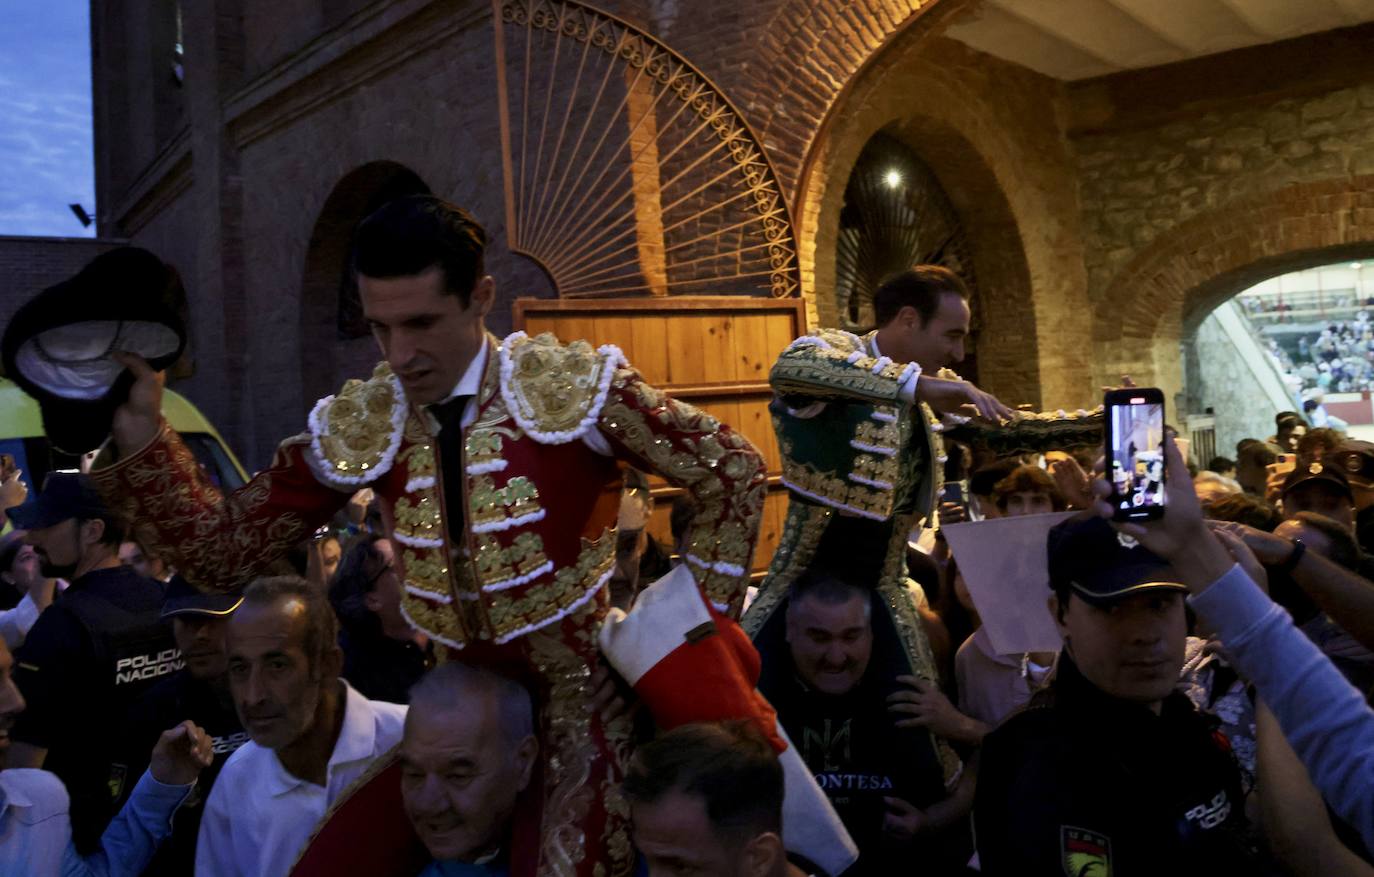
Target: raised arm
{"type": "Point", "coordinates": [718, 467]}
{"type": "Point", "coordinates": [216, 541]}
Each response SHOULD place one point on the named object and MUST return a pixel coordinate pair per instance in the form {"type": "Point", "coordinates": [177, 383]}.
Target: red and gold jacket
{"type": "Point", "coordinates": [527, 590]}
{"type": "Point", "coordinates": [541, 514]}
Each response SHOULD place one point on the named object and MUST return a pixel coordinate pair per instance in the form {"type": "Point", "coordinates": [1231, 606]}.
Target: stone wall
{"type": "Point", "coordinates": [1195, 182]}
{"type": "Point", "coordinates": [1222, 378]}
{"type": "Point", "coordinates": [990, 132]}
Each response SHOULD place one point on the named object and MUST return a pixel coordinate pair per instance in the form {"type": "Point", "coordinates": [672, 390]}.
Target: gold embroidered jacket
{"type": "Point", "coordinates": [868, 454]}
{"type": "Point", "coordinates": [852, 446]}
{"type": "Point", "coordinates": [541, 504]}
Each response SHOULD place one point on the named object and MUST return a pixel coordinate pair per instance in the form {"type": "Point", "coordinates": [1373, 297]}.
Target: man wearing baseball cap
{"type": "Point", "coordinates": [199, 692]}
{"type": "Point", "coordinates": [89, 656]}
{"type": "Point", "coordinates": [1110, 770]}
{"type": "Point", "coordinates": [1356, 459]}
{"type": "Point", "coordinates": [1322, 487]}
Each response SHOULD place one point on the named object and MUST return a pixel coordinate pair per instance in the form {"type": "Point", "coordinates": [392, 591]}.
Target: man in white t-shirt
{"type": "Point", "coordinates": [312, 734]}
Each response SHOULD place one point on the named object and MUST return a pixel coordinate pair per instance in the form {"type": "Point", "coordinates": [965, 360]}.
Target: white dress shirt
{"type": "Point", "coordinates": [16, 623]}
{"type": "Point", "coordinates": [259, 817]}
{"type": "Point", "coordinates": [471, 383]}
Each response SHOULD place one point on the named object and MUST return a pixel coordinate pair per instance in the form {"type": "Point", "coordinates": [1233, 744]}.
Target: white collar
{"type": "Point", "coordinates": [471, 381]}
{"type": "Point", "coordinates": [357, 738]}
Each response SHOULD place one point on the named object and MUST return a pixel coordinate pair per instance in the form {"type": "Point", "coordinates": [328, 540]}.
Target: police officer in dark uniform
{"type": "Point", "coordinates": [89, 656]}
{"type": "Point", "coordinates": [199, 692]}
{"type": "Point", "coordinates": [1109, 770]}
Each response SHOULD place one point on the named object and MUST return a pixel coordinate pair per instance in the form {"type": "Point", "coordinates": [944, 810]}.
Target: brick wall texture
{"type": "Point", "coordinates": [1103, 225]}
{"type": "Point", "coordinates": [30, 264]}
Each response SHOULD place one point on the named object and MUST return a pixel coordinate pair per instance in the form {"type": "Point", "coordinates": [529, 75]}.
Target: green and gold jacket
{"type": "Point", "coordinates": [852, 446]}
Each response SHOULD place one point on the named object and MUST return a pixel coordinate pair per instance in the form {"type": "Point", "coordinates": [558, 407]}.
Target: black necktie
{"type": "Point", "coordinates": [450, 416]}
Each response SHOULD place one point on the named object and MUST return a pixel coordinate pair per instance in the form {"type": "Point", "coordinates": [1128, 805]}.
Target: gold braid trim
{"type": "Point", "coordinates": [818, 366]}
{"type": "Point", "coordinates": [719, 468]}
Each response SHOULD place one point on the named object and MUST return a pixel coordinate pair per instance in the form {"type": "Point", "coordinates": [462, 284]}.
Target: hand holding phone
{"type": "Point", "coordinates": [1134, 427]}
{"type": "Point", "coordinates": [1283, 464]}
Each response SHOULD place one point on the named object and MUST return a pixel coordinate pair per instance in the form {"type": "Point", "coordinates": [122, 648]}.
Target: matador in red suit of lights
{"type": "Point", "coordinates": [524, 588]}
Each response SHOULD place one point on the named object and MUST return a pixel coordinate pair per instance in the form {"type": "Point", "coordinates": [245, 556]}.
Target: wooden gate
{"type": "Point", "coordinates": [712, 351]}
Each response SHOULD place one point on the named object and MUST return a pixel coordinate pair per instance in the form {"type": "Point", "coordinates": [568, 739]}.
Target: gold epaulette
{"type": "Point", "coordinates": [555, 391]}
{"type": "Point", "coordinates": [354, 434]}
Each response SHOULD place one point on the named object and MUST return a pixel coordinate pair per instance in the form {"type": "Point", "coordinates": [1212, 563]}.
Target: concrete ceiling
{"type": "Point", "coordinates": [1080, 39]}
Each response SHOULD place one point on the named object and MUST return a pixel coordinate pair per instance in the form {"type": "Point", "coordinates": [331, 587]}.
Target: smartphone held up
{"type": "Point", "coordinates": [1134, 426]}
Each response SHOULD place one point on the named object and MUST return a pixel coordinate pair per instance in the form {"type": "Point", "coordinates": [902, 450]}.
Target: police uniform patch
{"type": "Point", "coordinates": [1085, 853]}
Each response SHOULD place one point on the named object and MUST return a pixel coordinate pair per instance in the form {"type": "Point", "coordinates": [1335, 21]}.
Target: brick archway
{"type": "Point", "coordinates": [963, 113]}
{"type": "Point", "coordinates": [331, 351]}
{"type": "Point", "coordinates": [1162, 294]}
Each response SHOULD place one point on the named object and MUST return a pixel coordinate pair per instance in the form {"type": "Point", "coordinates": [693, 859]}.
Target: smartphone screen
{"type": "Point", "coordinates": [1135, 451]}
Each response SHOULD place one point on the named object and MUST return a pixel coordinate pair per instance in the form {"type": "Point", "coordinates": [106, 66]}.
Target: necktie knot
{"type": "Point", "coordinates": [449, 413]}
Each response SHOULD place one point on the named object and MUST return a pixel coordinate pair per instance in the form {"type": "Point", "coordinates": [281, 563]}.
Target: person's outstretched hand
{"type": "Point", "coordinates": [949, 396]}
{"type": "Point", "coordinates": [1181, 536]}
{"type": "Point", "coordinates": [1073, 482]}
{"type": "Point", "coordinates": [136, 421]}
{"type": "Point", "coordinates": [180, 754]}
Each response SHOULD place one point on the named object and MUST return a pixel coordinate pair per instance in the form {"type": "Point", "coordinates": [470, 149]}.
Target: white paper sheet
{"type": "Point", "coordinates": [1003, 562]}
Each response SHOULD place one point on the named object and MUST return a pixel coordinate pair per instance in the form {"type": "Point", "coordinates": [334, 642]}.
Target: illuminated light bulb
{"type": "Point", "coordinates": [893, 179]}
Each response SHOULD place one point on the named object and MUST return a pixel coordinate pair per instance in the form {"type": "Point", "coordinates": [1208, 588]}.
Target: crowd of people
{"type": "Point", "coordinates": [182, 691]}
{"type": "Point", "coordinates": [1338, 359]}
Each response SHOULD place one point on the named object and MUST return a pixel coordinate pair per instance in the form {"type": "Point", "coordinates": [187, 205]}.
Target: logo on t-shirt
{"type": "Point", "coordinates": [1086, 853]}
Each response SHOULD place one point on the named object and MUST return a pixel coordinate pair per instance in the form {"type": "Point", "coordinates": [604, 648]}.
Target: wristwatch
{"type": "Point", "coordinates": [1291, 561]}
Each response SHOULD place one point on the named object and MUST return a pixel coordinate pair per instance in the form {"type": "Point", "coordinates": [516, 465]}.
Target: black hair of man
{"type": "Point", "coordinates": [9, 552]}
{"type": "Point", "coordinates": [1288, 420]}
{"type": "Point", "coordinates": [827, 588]}
{"type": "Point", "coordinates": [1317, 443]}
{"type": "Point", "coordinates": [453, 684]}
{"type": "Point", "coordinates": [355, 578]}
{"type": "Point", "coordinates": [1344, 549]}
{"type": "Point", "coordinates": [1241, 508]}
{"type": "Point", "coordinates": [412, 234]}
{"type": "Point", "coordinates": [681, 516]}
{"type": "Point", "coordinates": [984, 480]}
{"type": "Point", "coordinates": [920, 287]}
{"type": "Point", "coordinates": [116, 528]}
{"type": "Point", "coordinates": [321, 627]}
{"type": "Point", "coordinates": [1258, 453]}
{"type": "Point", "coordinates": [729, 765]}
{"type": "Point", "coordinates": [1221, 464]}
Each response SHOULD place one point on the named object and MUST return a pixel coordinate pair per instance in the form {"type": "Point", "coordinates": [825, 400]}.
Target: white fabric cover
{"type": "Point", "coordinates": [73, 361]}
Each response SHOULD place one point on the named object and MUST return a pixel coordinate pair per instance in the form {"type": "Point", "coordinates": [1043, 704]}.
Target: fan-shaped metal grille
{"type": "Point", "coordinates": [895, 215]}
{"type": "Point", "coordinates": [626, 171]}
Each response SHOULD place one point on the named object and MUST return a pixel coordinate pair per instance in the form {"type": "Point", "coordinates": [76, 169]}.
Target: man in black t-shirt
{"type": "Point", "coordinates": [89, 656]}
{"type": "Point", "coordinates": [830, 688]}
{"type": "Point", "coordinates": [199, 692]}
